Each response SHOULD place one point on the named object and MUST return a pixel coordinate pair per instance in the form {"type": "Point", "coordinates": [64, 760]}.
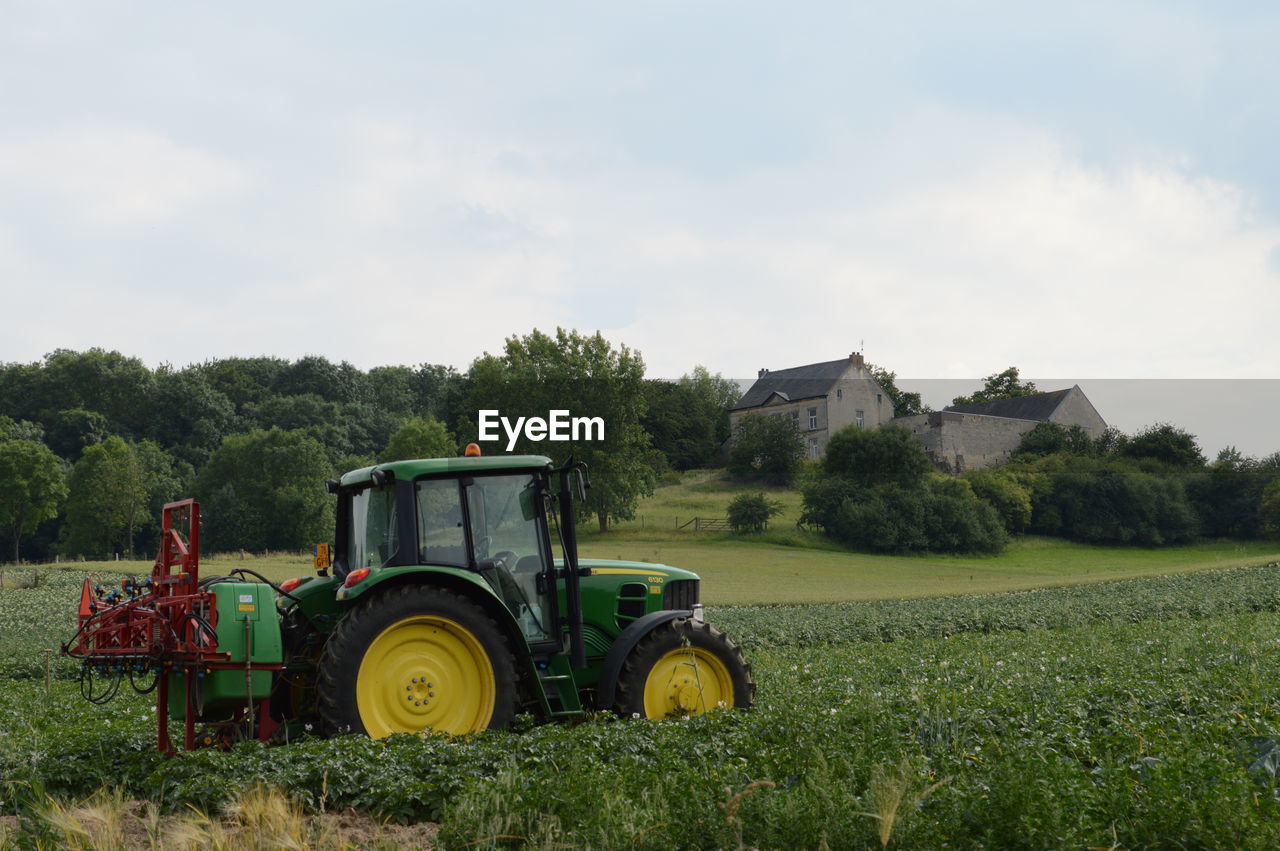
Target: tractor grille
{"type": "Point", "coordinates": [680, 594]}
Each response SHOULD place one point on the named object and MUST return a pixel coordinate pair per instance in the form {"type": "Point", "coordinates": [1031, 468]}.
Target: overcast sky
{"type": "Point", "coordinates": [1085, 189]}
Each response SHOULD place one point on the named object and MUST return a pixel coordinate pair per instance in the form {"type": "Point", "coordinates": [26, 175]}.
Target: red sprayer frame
{"type": "Point", "coordinates": [168, 625]}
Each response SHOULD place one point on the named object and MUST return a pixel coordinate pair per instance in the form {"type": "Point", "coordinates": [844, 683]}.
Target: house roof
{"type": "Point", "coordinates": [799, 382]}
{"type": "Point", "coordinates": [1037, 406]}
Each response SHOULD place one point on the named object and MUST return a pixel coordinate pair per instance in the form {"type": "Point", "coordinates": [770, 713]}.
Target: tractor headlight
{"type": "Point", "coordinates": [697, 612]}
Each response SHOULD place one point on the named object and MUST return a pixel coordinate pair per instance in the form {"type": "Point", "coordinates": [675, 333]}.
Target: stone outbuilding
{"type": "Point", "coordinates": [969, 437]}
{"type": "Point", "coordinates": [820, 398]}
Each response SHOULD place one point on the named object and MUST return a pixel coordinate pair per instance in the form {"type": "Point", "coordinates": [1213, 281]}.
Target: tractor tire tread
{"type": "Point", "coordinates": [630, 689]}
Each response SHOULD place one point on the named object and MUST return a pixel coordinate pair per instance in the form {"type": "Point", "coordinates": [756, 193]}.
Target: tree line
{"type": "Point", "coordinates": [93, 443]}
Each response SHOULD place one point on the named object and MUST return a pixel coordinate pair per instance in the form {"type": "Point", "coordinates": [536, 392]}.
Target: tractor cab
{"type": "Point", "coordinates": [490, 522]}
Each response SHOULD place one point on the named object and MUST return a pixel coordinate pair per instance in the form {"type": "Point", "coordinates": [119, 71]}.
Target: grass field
{"type": "Point", "coordinates": [789, 565]}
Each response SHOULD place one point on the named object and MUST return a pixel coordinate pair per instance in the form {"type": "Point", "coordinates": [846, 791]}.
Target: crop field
{"type": "Point", "coordinates": [1126, 714]}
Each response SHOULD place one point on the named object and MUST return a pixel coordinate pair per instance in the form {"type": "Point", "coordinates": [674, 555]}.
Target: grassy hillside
{"type": "Point", "coordinates": [788, 565]}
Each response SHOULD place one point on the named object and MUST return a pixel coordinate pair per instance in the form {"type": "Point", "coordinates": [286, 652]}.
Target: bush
{"type": "Point", "coordinates": [1006, 494]}
{"type": "Point", "coordinates": [939, 514]}
{"type": "Point", "coordinates": [750, 512]}
{"type": "Point", "coordinates": [1109, 503]}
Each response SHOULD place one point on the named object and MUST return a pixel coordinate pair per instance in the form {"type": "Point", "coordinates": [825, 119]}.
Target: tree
{"type": "Point", "coordinates": [768, 448]}
{"type": "Point", "coordinates": [264, 491]}
{"type": "Point", "coordinates": [189, 416]}
{"type": "Point", "coordinates": [688, 419]}
{"type": "Point", "coordinates": [243, 380]}
{"type": "Point", "coordinates": [72, 430]}
{"type": "Point", "coordinates": [420, 438]}
{"type": "Point", "coordinates": [317, 375]}
{"type": "Point", "coordinates": [391, 389]}
{"type": "Point", "coordinates": [441, 392]}
{"type": "Point", "coordinates": [165, 479]}
{"type": "Point", "coordinates": [322, 420]}
{"type": "Point", "coordinates": [108, 499]}
{"type": "Point", "coordinates": [368, 427]}
{"type": "Point", "coordinates": [1165, 443]}
{"type": "Point", "coordinates": [32, 487]}
{"type": "Point", "coordinates": [904, 404]}
{"type": "Point", "coordinates": [1001, 385]}
{"type": "Point", "coordinates": [109, 383]}
{"type": "Point", "coordinates": [1269, 509]}
{"type": "Point", "coordinates": [750, 512]}
{"type": "Point", "coordinates": [588, 377]}
{"type": "Point", "coordinates": [870, 457]}
{"type": "Point", "coordinates": [20, 430]}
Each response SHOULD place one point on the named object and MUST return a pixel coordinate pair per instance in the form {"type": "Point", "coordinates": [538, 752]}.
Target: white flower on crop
{"type": "Point", "coordinates": [307, 727]}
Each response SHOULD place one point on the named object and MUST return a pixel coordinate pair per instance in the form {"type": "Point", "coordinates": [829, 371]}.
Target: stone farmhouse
{"type": "Point", "coordinates": [822, 398]}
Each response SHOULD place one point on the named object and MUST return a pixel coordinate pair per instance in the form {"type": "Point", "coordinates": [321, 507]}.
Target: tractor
{"type": "Point", "coordinates": [452, 599]}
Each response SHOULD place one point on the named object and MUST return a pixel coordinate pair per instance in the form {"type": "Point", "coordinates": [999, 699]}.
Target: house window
{"type": "Point", "coordinates": [813, 418]}
{"type": "Point", "coordinates": [795, 418]}
{"type": "Point", "coordinates": [857, 418]}
{"type": "Point", "coordinates": [839, 392]}
{"type": "Point", "coordinates": [879, 399]}
{"type": "Point", "coordinates": [813, 447]}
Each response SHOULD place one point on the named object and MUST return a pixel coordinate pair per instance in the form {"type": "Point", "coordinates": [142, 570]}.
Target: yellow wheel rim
{"type": "Point", "coordinates": [425, 671]}
{"type": "Point", "coordinates": [687, 681]}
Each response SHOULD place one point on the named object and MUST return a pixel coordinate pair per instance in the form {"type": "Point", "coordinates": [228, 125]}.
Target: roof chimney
{"type": "Point", "coordinates": [855, 358]}
{"type": "Point", "coordinates": [762, 373]}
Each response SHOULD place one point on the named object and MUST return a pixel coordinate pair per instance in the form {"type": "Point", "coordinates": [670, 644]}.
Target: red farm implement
{"type": "Point", "coordinates": [208, 649]}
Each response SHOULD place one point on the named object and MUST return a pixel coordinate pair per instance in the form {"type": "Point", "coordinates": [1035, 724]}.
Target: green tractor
{"type": "Point", "coordinates": [454, 600]}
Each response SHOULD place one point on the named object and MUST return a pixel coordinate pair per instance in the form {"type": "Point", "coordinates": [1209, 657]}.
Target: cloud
{"type": "Point", "coordinates": [1017, 254]}
{"type": "Point", "coordinates": [954, 243]}
{"type": "Point", "coordinates": [115, 175]}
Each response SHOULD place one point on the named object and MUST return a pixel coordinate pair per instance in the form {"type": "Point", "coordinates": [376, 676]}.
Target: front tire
{"type": "Point", "coordinates": [413, 658]}
{"type": "Point", "coordinates": [684, 667]}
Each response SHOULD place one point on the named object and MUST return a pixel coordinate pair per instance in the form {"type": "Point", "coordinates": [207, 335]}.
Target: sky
{"type": "Point", "coordinates": [1084, 189]}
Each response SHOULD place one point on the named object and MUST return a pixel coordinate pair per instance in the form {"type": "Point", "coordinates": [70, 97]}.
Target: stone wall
{"type": "Point", "coordinates": [957, 442]}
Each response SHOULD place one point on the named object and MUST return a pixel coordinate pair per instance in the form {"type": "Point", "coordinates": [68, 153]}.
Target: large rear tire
{"type": "Point", "coordinates": [684, 667]}
{"type": "Point", "coordinates": [413, 658]}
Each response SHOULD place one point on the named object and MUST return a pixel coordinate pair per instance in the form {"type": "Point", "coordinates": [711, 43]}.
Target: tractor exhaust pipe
{"type": "Point", "coordinates": [572, 590]}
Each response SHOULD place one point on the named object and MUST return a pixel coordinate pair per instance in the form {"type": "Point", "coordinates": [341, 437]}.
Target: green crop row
{"type": "Point", "coordinates": [1153, 734]}
{"type": "Point", "coordinates": [1134, 720]}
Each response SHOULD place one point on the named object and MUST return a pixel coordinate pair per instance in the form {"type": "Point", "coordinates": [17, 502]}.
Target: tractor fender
{"type": "Point", "coordinates": [622, 646]}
